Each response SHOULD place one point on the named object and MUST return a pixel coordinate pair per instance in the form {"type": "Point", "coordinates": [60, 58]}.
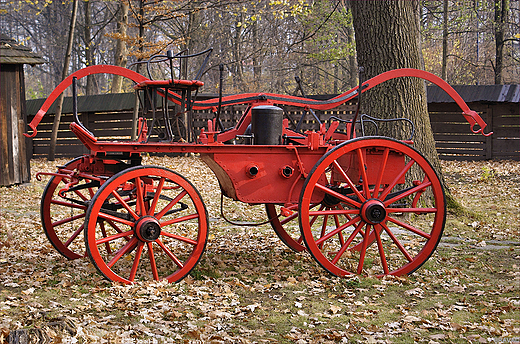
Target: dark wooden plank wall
{"type": "Point", "coordinates": [14, 159]}
{"type": "Point", "coordinates": [454, 140]}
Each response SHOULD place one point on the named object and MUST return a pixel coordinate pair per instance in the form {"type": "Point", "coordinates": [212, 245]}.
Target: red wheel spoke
{"type": "Point", "coordinates": [381, 173]}
{"type": "Point", "coordinates": [179, 219]}
{"type": "Point", "coordinates": [418, 188]}
{"type": "Point", "coordinates": [125, 205]}
{"type": "Point", "coordinates": [91, 192]}
{"type": "Point", "coordinates": [68, 219]}
{"type": "Point", "coordinates": [363, 251]}
{"type": "Point", "coordinates": [137, 257]}
{"type": "Point", "coordinates": [345, 212]}
{"type": "Point", "coordinates": [289, 218]}
{"type": "Point", "coordinates": [411, 210]}
{"type": "Point", "coordinates": [139, 207]}
{"type": "Point", "coordinates": [115, 219]}
{"type": "Point", "coordinates": [151, 211]}
{"type": "Point", "coordinates": [339, 196]}
{"type": "Point", "coordinates": [340, 234]}
{"type": "Point", "coordinates": [153, 266]}
{"type": "Point", "coordinates": [180, 238]}
{"type": "Point", "coordinates": [397, 242]}
{"type": "Point", "coordinates": [83, 197]}
{"type": "Point", "coordinates": [349, 182]}
{"type": "Point", "coordinates": [74, 235]}
{"type": "Point", "coordinates": [315, 217]}
{"type": "Point", "coordinates": [170, 254]}
{"type": "Point", "coordinates": [104, 232]}
{"type": "Point", "coordinates": [129, 246]}
{"type": "Point", "coordinates": [382, 256]}
{"type": "Point", "coordinates": [337, 230]}
{"type": "Point", "coordinates": [364, 177]}
{"type": "Point", "coordinates": [171, 204]}
{"type": "Point", "coordinates": [116, 227]}
{"type": "Point", "coordinates": [409, 227]}
{"type": "Point", "coordinates": [323, 229]}
{"type": "Point", "coordinates": [396, 179]}
{"type": "Point", "coordinates": [68, 204]}
{"type": "Point", "coordinates": [348, 242]}
{"type": "Point", "coordinates": [114, 237]}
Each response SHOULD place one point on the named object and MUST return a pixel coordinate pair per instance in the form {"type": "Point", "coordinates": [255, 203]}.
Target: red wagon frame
{"type": "Point", "coordinates": [370, 205]}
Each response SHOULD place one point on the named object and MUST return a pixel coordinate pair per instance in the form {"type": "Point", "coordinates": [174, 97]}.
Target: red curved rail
{"type": "Point", "coordinates": [98, 69]}
{"type": "Point", "coordinates": [471, 116]}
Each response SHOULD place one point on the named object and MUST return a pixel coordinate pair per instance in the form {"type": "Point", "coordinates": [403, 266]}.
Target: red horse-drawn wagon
{"type": "Point", "coordinates": [362, 204]}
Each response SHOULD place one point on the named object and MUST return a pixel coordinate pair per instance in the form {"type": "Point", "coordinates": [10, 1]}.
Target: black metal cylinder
{"type": "Point", "coordinates": [267, 123]}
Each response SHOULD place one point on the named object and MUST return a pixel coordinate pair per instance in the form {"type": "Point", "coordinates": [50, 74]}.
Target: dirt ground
{"type": "Point", "coordinates": [250, 288]}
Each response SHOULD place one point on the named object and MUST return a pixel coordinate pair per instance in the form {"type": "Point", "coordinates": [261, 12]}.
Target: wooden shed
{"type": "Point", "coordinates": [14, 155]}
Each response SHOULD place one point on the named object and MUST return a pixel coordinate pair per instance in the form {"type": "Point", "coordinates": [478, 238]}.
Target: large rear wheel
{"type": "Point", "coordinates": [382, 208]}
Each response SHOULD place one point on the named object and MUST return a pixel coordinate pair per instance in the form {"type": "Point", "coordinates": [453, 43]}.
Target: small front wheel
{"type": "Point", "coordinates": [382, 208]}
{"type": "Point", "coordinates": [146, 222]}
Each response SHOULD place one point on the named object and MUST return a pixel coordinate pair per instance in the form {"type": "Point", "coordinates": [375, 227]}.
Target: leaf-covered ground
{"type": "Point", "coordinates": [250, 288]}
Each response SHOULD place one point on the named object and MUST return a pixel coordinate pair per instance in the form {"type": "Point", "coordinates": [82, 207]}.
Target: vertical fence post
{"type": "Point", "coordinates": [489, 139]}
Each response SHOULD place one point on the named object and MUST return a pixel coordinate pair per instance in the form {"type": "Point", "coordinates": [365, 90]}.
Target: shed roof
{"type": "Point", "coordinates": [477, 93]}
{"type": "Point", "coordinates": [13, 53]}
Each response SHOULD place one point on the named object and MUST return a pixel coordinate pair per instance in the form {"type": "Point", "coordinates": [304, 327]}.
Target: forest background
{"type": "Point", "coordinates": [263, 44]}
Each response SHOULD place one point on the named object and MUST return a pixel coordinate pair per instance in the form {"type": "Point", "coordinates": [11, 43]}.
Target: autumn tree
{"type": "Point", "coordinates": [387, 37]}
{"type": "Point", "coordinates": [64, 73]}
{"type": "Point", "coordinates": [121, 51]}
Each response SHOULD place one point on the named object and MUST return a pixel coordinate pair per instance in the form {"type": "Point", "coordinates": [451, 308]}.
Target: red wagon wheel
{"type": "Point", "coordinates": [63, 217]}
{"type": "Point", "coordinates": [382, 208]}
{"type": "Point", "coordinates": [146, 209]}
{"type": "Point", "coordinates": [287, 228]}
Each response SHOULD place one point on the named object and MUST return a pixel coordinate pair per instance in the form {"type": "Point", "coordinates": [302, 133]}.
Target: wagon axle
{"type": "Point", "coordinates": [147, 229]}
{"type": "Point", "coordinates": [373, 211]}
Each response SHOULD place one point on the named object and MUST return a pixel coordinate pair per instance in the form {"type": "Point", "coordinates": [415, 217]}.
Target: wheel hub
{"type": "Point", "coordinates": [148, 229]}
{"type": "Point", "coordinates": [373, 211]}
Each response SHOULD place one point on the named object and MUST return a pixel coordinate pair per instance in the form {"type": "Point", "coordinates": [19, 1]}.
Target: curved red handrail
{"type": "Point", "coordinates": [98, 69]}
{"type": "Point", "coordinates": [471, 116]}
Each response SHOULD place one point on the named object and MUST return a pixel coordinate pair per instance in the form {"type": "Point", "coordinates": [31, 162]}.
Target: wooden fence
{"type": "Point", "coordinates": [111, 117]}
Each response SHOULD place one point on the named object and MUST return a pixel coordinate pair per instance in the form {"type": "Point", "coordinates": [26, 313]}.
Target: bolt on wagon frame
{"type": "Point", "coordinates": [357, 204]}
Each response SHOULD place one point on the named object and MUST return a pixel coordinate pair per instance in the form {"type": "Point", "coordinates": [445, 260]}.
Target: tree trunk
{"type": "Point", "coordinates": [387, 37]}
{"type": "Point", "coordinates": [238, 80]}
{"type": "Point", "coordinates": [444, 40]}
{"type": "Point", "coordinates": [351, 60]}
{"type": "Point", "coordinates": [501, 11]}
{"type": "Point", "coordinates": [89, 56]}
{"type": "Point", "coordinates": [257, 68]}
{"type": "Point", "coordinates": [57, 116]}
{"type": "Point", "coordinates": [121, 53]}
{"type": "Point", "coordinates": [135, 114]}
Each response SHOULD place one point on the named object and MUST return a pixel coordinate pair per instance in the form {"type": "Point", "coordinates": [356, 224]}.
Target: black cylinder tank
{"type": "Point", "coordinates": [266, 121]}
